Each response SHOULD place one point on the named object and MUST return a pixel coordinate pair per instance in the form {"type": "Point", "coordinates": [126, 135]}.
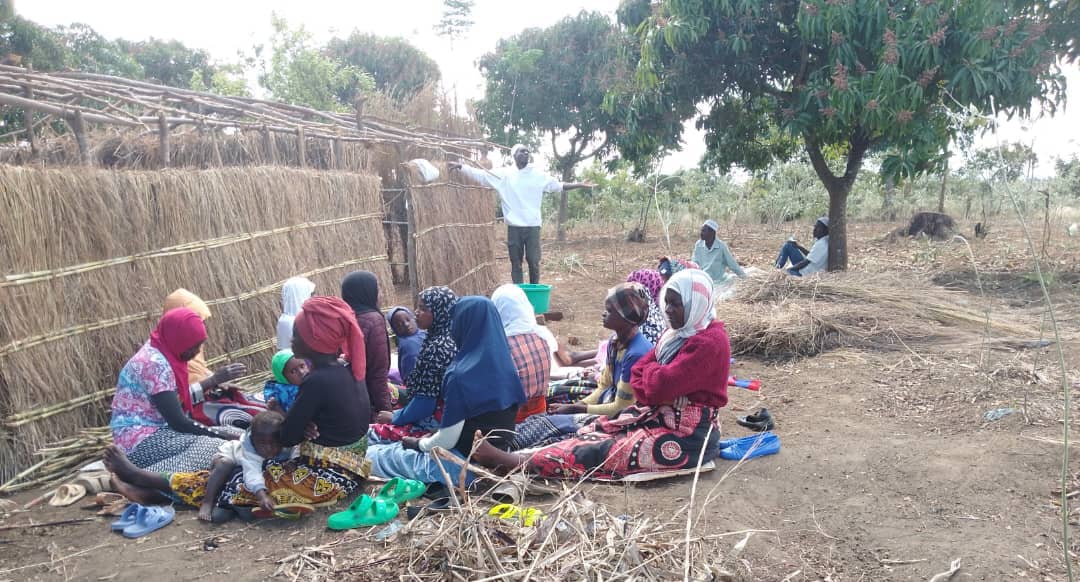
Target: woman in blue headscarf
{"type": "Point", "coordinates": [481, 392]}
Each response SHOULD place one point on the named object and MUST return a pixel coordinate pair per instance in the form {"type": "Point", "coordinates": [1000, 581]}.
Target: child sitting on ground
{"type": "Point", "coordinates": [289, 371]}
{"type": "Point", "coordinates": [259, 443]}
{"type": "Point", "coordinates": [409, 339]}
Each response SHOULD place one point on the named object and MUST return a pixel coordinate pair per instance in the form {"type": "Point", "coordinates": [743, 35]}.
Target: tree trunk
{"type": "Point", "coordinates": [888, 203]}
{"type": "Point", "coordinates": [839, 187]}
{"type": "Point", "coordinates": [941, 195]}
{"type": "Point", "coordinates": [838, 197]}
{"type": "Point", "coordinates": [567, 172]}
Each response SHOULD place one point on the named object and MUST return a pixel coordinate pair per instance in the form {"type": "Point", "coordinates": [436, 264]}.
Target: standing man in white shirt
{"type": "Point", "coordinates": [521, 190]}
{"type": "Point", "coordinates": [805, 262]}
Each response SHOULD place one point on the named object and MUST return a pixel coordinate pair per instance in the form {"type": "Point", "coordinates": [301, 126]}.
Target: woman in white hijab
{"type": "Point", "coordinates": [678, 388]}
{"type": "Point", "coordinates": [294, 293]}
{"type": "Point", "coordinates": [530, 350]}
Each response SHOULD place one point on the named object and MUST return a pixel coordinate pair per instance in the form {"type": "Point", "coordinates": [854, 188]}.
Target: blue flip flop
{"type": "Point", "coordinates": [749, 439]}
{"type": "Point", "coordinates": [149, 519]}
{"type": "Point", "coordinates": [127, 517]}
{"type": "Point", "coordinates": [749, 447]}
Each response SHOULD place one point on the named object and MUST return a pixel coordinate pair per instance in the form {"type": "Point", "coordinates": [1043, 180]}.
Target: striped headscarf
{"type": "Point", "coordinates": [631, 300]}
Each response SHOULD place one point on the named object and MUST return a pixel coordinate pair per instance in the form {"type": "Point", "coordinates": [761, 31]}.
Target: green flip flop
{"type": "Point", "coordinates": [398, 490]}
{"type": "Point", "coordinates": [363, 512]}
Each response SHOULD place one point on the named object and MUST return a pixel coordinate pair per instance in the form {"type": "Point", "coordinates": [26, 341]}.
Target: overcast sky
{"type": "Point", "coordinates": [224, 27]}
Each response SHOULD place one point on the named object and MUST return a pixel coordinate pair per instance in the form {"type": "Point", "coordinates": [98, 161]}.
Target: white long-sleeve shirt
{"type": "Point", "coordinates": [521, 191]}
{"type": "Point", "coordinates": [242, 452]}
{"type": "Point", "coordinates": [818, 257]}
{"type": "Point", "coordinates": [445, 438]}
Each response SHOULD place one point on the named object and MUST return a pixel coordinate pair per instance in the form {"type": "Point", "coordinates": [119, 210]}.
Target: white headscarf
{"type": "Point", "coordinates": [695, 287]}
{"type": "Point", "coordinates": [294, 293]}
{"type": "Point", "coordinates": [518, 315]}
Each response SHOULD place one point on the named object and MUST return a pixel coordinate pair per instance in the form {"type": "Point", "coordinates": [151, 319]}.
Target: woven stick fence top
{"type": "Point", "coordinates": [90, 98]}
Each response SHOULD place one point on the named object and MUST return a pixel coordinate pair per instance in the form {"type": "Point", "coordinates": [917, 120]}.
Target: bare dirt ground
{"type": "Point", "coordinates": [888, 471]}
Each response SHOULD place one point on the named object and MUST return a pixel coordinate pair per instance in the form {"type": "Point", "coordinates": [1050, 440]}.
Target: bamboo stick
{"type": "Point", "coordinates": [163, 136]}
{"type": "Point", "coordinates": [185, 248]}
{"type": "Point", "coordinates": [28, 123]}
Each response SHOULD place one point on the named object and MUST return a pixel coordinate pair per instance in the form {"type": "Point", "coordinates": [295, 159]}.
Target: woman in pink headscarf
{"type": "Point", "coordinates": [149, 423]}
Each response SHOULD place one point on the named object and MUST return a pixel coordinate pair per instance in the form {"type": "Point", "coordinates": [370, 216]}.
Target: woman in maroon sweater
{"type": "Point", "coordinates": [361, 291]}
{"type": "Point", "coordinates": [679, 388]}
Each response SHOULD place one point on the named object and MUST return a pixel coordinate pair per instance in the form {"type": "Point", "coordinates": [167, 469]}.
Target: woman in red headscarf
{"type": "Point", "coordinates": [329, 420]}
{"type": "Point", "coordinates": [148, 422]}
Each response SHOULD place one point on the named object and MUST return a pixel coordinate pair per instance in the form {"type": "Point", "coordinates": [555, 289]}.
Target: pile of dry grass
{"type": "Point", "coordinates": [784, 317]}
{"type": "Point", "coordinates": [454, 232]}
{"type": "Point", "coordinates": [577, 540]}
{"type": "Point", "coordinates": [89, 255]}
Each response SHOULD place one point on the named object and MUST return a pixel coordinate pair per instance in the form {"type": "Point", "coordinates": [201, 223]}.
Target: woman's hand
{"type": "Point", "coordinates": [311, 431]}
{"type": "Point", "coordinates": [680, 403]}
{"type": "Point", "coordinates": [265, 501]}
{"type": "Point", "coordinates": [221, 391]}
{"type": "Point", "coordinates": [274, 405]}
{"type": "Point", "coordinates": [226, 373]}
{"type": "Point", "coordinates": [568, 409]}
{"type": "Point", "coordinates": [384, 417]}
{"type": "Point", "coordinates": [411, 443]}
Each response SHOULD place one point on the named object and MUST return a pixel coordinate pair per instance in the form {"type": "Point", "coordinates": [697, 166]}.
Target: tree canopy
{"type": "Point", "coordinates": [856, 75]}
{"type": "Point", "coordinates": [169, 62]}
{"type": "Point", "coordinates": [398, 67]}
{"type": "Point", "coordinates": [553, 81]}
{"type": "Point", "coordinates": [300, 73]}
{"type": "Point", "coordinates": [456, 19]}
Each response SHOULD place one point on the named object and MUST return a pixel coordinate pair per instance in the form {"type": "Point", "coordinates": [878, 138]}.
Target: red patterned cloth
{"type": "Point", "coordinates": [639, 440]}
{"type": "Point", "coordinates": [393, 432]}
{"type": "Point", "coordinates": [532, 358]}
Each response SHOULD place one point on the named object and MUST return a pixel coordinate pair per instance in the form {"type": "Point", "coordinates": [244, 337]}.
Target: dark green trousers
{"type": "Point", "coordinates": [524, 242]}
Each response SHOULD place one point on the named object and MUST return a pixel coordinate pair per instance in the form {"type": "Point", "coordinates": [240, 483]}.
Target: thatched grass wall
{"type": "Point", "coordinates": [88, 256]}
{"type": "Point", "coordinates": [454, 233]}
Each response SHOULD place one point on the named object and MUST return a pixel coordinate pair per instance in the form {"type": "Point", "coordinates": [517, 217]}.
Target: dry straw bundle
{"type": "Point", "coordinates": [578, 539]}
{"type": "Point", "coordinates": [784, 317]}
{"type": "Point", "coordinates": [454, 233]}
{"type": "Point", "coordinates": [89, 255]}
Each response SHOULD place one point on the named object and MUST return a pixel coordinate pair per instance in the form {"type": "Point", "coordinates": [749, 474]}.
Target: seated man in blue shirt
{"type": "Point", "coordinates": [804, 262]}
{"type": "Point", "coordinates": [713, 255]}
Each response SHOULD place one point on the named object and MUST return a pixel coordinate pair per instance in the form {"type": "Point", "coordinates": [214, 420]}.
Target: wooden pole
{"type": "Point", "coordinates": [163, 136]}
{"type": "Point", "coordinates": [59, 111]}
{"type": "Point", "coordinates": [217, 150]}
{"type": "Point", "coordinates": [28, 118]}
{"type": "Point", "coordinates": [79, 129]}
{"type": "Point", "coordinates": [268, 145]}
{"type": "Point", "coordinates": [301, 145]}
{"type": "Point", "coordinates": [410, 243]}
{"type": "Point", "coordinates": [359, 103]}
{"type": "Point", "coordinates": [339, 163]}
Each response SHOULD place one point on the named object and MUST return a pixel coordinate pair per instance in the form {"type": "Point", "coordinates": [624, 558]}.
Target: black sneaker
{"type": "Point", "coordinates": [760, 421]}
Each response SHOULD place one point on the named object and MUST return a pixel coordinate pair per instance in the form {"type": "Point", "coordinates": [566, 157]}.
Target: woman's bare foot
{"type": "Point", "coordinates": [117, 463]}
{"type": "Point", "coordinates": [206, 512]}
{"type": "Point", "coordinates": [140, 495]}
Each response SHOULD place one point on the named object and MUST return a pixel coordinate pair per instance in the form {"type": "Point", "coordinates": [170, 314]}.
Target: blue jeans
{"type": "Point", "coordinates": [790, 253]}
{"type": "Point", "coordinates": [393, 460]}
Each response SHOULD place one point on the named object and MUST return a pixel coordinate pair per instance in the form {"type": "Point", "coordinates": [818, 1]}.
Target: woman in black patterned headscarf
{"type": "Point", "coordinates": [434, 310]}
